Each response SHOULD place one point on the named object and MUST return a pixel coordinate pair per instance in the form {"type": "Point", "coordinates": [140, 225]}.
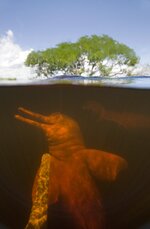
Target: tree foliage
{"type": "Point", "coordinates": [90, 55]}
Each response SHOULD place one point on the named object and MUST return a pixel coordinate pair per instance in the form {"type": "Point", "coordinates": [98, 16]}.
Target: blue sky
{"type": "Point", "coordinates": [40, 24]}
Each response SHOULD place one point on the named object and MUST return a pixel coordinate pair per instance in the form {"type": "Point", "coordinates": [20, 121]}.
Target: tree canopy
{"type": "Point", "coordinates": [90, 55]}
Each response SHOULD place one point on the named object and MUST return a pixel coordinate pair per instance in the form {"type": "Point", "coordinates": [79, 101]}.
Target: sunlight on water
{"type": "Point", "coordinates": [136, 81]}
{"type": "Point", "coordinates": [132, 82]}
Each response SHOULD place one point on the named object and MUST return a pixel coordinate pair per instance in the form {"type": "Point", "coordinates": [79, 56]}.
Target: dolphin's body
{"type": "Point", "coordinates": [71, 167]}
{"type": "Point", "coordinates": [124, 119]}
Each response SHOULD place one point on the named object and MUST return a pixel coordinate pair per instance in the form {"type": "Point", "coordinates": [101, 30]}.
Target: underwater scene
{"type": "Point", "coordinates": [74, 157]}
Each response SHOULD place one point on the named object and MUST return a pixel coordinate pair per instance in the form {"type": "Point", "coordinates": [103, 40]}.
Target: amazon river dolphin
{"type": "Point", "coordinates": [73, 167]}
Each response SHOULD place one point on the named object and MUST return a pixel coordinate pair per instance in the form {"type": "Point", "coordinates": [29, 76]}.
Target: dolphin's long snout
{"type": "Point", "coordinates": [32, 115]}
{"type": "Point", "coordinates": [37, 119]}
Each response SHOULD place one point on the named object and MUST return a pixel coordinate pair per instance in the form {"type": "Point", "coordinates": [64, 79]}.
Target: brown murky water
{"type": "Point", "coordinates": [113, 120]}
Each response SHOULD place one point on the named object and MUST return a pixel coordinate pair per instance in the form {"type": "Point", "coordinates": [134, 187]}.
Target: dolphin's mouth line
{"type": "Point", "coordinates": [32, 118]}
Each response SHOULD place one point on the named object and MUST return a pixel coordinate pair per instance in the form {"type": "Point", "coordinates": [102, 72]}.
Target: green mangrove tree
{"type": "Point", "coordinates": [90, 55]}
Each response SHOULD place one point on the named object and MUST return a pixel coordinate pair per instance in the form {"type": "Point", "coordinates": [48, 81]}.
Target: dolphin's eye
{"type": "Point", "coordinates": [58, 116]}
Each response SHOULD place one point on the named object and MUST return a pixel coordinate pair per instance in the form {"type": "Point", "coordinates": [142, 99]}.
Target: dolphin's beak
{"type": "Point", "coordinates": [32, 115]}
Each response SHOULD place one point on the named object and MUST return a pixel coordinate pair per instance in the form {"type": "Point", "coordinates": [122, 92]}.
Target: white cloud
{"type": "Point", "coordinates": [12, 58]}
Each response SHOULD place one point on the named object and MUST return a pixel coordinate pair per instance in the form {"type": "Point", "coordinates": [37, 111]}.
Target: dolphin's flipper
{"type": "Point", "coordinates": [103, 165]}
